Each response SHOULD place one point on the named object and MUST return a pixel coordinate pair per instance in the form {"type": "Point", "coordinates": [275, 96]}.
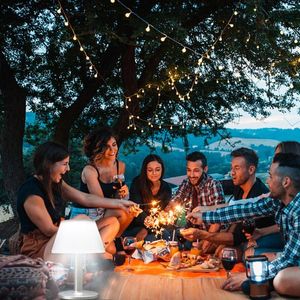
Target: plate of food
{"type": "Point", "coordinates": [192, 263]}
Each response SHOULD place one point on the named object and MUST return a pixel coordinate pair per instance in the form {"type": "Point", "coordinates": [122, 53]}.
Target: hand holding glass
{"type": "Point", "coordinates": [229, 259]}
{"type": "Point", "coordinates": [129, 245]}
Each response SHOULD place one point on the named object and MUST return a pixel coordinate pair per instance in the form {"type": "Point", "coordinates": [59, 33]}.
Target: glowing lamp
{"type": "Point", "coordinates": [78, 237]}
{"type": "Point", "coordinates": [257, 272]}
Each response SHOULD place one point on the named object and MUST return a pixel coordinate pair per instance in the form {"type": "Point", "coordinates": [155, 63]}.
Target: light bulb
{"type": "Point", "coordinates": [200, 60]}
{"type": "Point", "coordinates": [183, 50]}
{"type": "Point", "coordinates": [163, 38]}
{"type": "Point", "coordinates": [231, 25]}
{"type": "Point", "coordinates": [220, 38]}
{"type": "Point", "coordinates": [112, 1]}
{"type": "Point", "coordinates": [235, 13]}
{"type": "Point", "coordinates": [127, 15]}
{"type": "Point", "coordinates": [74, 37]}
{"type": "Point", "coordinates": [148, 28]}
{"type": "Point", "coordinates": [90, 67]}
{"type": "Point", "coordinates": [59, 11]}
{"type": "Point", "coordinates": [81, 49]}
{"type": "Point", "coordinates": [66, 23]}
{"type": "Point", "coordinates": [96, 75]}
{"type": "Point", "coordinates": [87, 58]}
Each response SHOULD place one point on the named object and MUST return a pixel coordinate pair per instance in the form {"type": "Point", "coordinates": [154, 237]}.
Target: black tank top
{"type": "Point", "coordinates": [107, 188]}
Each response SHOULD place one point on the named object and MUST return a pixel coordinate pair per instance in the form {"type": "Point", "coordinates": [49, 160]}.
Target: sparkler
{"type": "Point", "coordinates": [159, 218]}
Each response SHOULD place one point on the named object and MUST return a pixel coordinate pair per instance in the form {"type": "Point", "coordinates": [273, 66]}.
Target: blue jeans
{"type": "Point", "coordinates": [93, 213]}
{"type": "Point", "coordinates": [269, 243]}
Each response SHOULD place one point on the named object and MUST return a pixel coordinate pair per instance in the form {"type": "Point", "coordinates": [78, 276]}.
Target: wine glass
{"type": "Point", "coordinates": [229, 259]}
{"type": "Point", "coordinates": [129, 245]}
{"type": "Point", "coordinates": [248, 226]}
{"type": "Point", "coordinates": [118, 180]}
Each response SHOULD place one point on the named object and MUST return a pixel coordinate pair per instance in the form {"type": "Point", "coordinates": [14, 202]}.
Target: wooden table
{"type": "Point", "coordinates": [154, 282]}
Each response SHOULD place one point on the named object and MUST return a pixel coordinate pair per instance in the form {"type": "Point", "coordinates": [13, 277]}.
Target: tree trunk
{"type": "Point", "coordinates": [12, 132]}
{"type": "Point", "coordinates": [129, 78]}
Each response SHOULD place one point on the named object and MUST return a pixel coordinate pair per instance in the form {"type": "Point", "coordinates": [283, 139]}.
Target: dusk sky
{"type": "Point", "coordinates": [288, 120]}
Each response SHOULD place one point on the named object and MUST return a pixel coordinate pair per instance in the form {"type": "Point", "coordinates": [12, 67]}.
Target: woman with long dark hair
{"type": "Point", "coordinates": [41, 197]}
{"type": "Point", "coordinates": [148, 186]}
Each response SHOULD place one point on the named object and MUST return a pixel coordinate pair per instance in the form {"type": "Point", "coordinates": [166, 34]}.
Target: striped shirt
{"type": "Point", "coordinates": [287, 217]}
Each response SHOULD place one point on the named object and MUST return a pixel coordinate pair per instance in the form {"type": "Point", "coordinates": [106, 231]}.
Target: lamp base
{"type": "Point", "coordinates": [71, 294]}
{"type": "Point", "coordinates": [259, 290]}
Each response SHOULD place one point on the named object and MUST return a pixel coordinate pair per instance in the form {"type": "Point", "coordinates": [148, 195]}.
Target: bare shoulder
{"type": "Point", "coordinates": [89, 170]}
{"type": "Point", "coordinates": [34, 200]}
{"type": "Point", "coordinates": [122, 166]}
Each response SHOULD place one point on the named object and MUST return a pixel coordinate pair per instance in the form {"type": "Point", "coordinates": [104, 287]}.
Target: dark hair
{"type": "Point", "coordinates": [289, 165]}
{"type": "Point", "coordinates": [289, 147]}
{"type": "Point", "coordinates": [144, 183]}
{"type": "Point", "coordinates": [249, 155]}
{"type": "Point", "coordinates": [45, 156]}
{"type": "Point", "coordinates": [196, 155]}
{"type": "Point", "coordinates": [96, 142]}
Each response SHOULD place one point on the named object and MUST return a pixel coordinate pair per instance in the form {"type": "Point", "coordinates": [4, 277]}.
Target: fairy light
{"type": "Point", "coordinates": [127, 15]}
{"type": "Point", "coordinates": [163, 38]}
{"type": "Point", "coordinates": [183, 50]}
{"type": "Point", "coordinates": [92, 67]}
{"type": "Point", "coordinates": [148, 28]}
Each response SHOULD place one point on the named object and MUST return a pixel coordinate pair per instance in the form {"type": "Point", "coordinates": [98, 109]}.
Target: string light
{"type": "Point", "coordinates": [163, 38]}
{"type": "Point", "coordinates": [92, 67]}
{"type": "Point", "coordinates": [148, 28]}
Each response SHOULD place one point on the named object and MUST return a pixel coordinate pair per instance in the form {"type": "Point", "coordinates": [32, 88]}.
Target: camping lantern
{"type": "Point", "coordinates": [257, 272]}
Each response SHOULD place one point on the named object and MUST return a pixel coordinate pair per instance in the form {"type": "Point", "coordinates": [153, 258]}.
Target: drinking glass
{"type": "Point", "coordinates": [229, 259]}
{"type": "Point", "coordinates": [248, 226]}
{"type": "Point", "coordinates": [118, 181]}
{"type": "Point", "coordinates": [129, 245]}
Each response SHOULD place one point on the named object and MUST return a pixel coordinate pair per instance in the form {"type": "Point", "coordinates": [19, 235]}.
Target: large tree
{"type": "Point", "coordinates": [240, 55]}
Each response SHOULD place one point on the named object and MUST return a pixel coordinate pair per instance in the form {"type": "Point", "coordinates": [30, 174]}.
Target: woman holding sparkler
{"type": "Point", "coordinates": [146, 189]}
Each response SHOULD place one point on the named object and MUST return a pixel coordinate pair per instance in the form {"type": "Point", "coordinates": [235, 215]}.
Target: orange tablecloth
{"type": "Point", "coordinates": [156, 268]}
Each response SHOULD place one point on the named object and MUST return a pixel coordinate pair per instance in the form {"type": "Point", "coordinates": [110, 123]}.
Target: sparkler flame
{"type": "Point", "coordinates": [159, 218]}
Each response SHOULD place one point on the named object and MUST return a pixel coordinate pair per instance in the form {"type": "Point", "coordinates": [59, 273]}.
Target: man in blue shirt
{"type": "Point", "coordinates": [284, 185]}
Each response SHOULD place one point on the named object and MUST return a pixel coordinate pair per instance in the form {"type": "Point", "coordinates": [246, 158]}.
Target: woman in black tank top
{"type": "Point", "coordinates": [97, 177]}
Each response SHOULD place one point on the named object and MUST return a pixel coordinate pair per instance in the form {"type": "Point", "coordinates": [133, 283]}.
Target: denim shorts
{"type": "Point", "coordinates": [93, 213]}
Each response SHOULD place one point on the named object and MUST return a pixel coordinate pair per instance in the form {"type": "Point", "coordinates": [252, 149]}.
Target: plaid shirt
{"type": "Point", "coordinates": [287, 217]}
{"type": "Point", "coordinates": [209, 192]}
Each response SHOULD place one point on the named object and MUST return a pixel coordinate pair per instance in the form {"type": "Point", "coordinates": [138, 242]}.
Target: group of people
{"type": "Point", "coordinates": [41, 197]}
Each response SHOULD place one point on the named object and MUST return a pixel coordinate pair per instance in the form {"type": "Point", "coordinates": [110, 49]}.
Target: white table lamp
{"type": "Point", "coordinates": [78, 237]}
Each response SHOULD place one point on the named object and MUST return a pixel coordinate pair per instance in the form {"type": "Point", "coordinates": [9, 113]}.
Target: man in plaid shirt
{"type": "Point", "coordinates": [284, 202]}
{"type": "Point", "coordinates": [199, 188]}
